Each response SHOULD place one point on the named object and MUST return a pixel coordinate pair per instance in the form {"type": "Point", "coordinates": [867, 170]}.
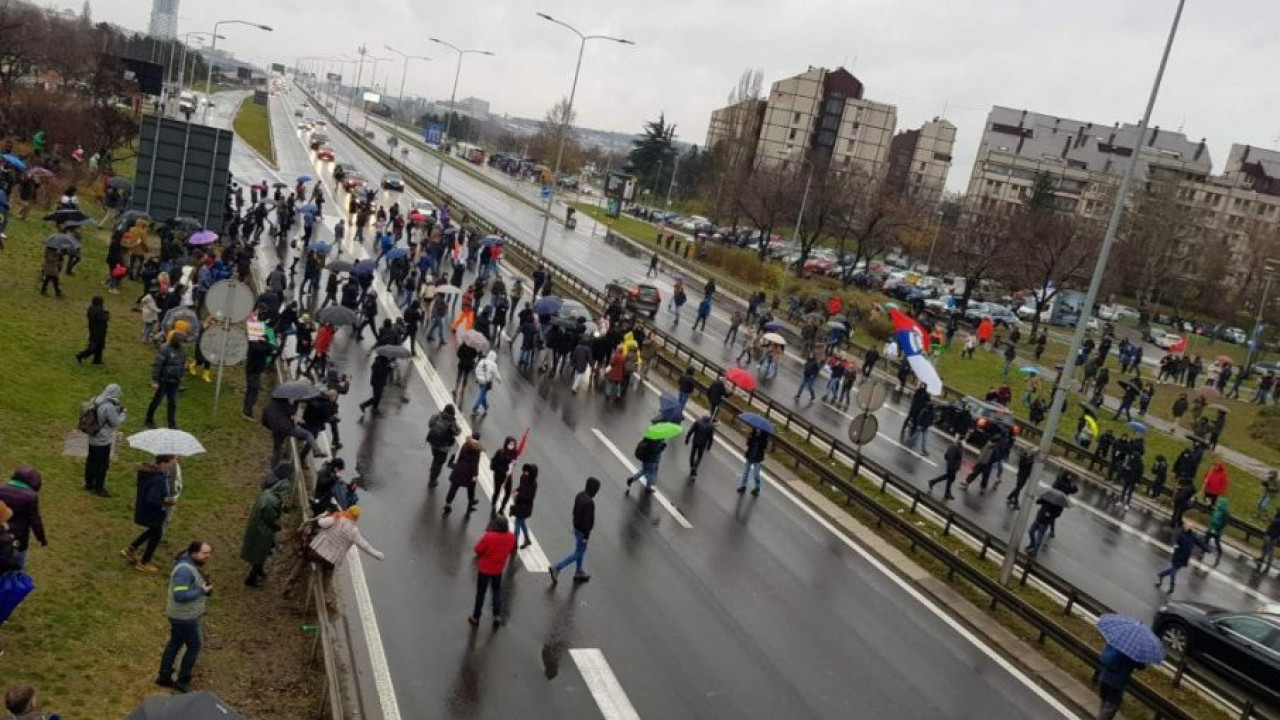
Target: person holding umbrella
{"type": "Point", "coordinates": [757, 446]}
{"type": "Point", "coordinates": [649, 452]}
{"type": "Point", "coordinates": [151, 504]}
{"type": "Point", "coordinates": [1130, 646]}
{"type": "Point", "coordinates": [1052, 502]}
{"type": "Point", "coordinates": [699, 439]}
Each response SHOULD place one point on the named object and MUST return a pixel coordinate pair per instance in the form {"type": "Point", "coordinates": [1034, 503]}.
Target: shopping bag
{"type": "Point", "coordinates": [14, 588]}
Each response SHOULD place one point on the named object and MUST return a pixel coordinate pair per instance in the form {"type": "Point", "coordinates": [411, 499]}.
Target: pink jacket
{"type": "Point", "coordinates": [336, 537]}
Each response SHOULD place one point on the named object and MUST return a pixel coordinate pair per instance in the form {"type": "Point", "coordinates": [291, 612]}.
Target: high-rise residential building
{"type": "Point", "coordinates": [919, 159]}
{"type": "Point", "coordinates": [823, 116]}
{"type": "Point", "coordinates": [739, 126]}
{"type": "Point", "coordinates": [164, 19]}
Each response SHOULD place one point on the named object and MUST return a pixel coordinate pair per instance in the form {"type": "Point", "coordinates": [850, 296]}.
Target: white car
{"type": "Point", "coordinates": [1028, 311]}
{"type": "Point", "coordinates": [422, 205]}
{"type": "Point", "coordinates": [692, 223]}
{"type": "Point", "coordinates": [1117, 312]}
{"type": "Point", "coordinates": [1164, 340]}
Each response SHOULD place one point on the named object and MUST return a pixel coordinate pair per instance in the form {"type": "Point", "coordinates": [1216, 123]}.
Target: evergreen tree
{"type": "Point", "coordinates": [653, 152]}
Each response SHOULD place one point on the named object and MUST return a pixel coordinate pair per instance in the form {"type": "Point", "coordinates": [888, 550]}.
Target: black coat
{"type": "Point", "coordinates": [153, 488]}
{"type": "Point", "coordinates": [98, 317]}
{"type": "Point", "coordinates": [757, 445]}
{"type": "Point", "coordinates": [169, 365]}
{"type": "Point", "coordinates": [526, 491]}
{"type": "Point", "coordinates": [954, 455]}
{"type": "Point", "coordinates": [467, 466]}
{"type": "Point", "coordinates": [584, 513]}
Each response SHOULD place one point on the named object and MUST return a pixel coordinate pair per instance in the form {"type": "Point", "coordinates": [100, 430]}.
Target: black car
{"type": "Point", "coordinates": [1241, 646]}
{"type": "Point", "coordinates": [318, 139]}
{"type": "Point", "coordinates": [393, 181]}
{"type": "Point", "coordinates": [341, 169]}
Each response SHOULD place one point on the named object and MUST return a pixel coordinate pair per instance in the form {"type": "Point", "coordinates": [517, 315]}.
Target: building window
{"type": "Point", "coordinates": [797, 117]}
{"type": "Point", "coordinates": [791, 135]}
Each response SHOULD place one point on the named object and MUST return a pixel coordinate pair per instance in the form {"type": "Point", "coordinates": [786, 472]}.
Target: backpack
{"type": "Point", "coordinates": [89, 422]}
{"type": "Point", "coordinates": [644, 450]}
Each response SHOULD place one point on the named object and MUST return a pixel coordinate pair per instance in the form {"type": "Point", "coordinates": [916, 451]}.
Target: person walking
{"type": "Point", "coordinates": [492, 552]}
{"type": "Point", "coordinates": [1046, 518]}
{"type": "Point", "coordinates": [1026, 463]}
{"type": "Point", "coordinates": [649, 453]}
{"type": "Point", "coordinates": [522, 505]}
{"type": "Point", "coordinates": [379, 376]}
{"type": "Point", "coordinates": [1269, 540]}
{"type": "Point", "coordinates": [1270, 486]}
{"type": "Point", "coordinates": [51, 271]}
{"type": "Point", "coordinates": [500, 467]}
{"type": "Point", "coordinates": [584, 520]}
{"type": "Point", "coordinates": [467, 356]}
{"type": "Point", "coordinates": [97, 317]}
{"type": "Point", "coordinates": [685, 385]}
{"type": "Point", "coordinates": [982, 466]}
{"type": "Point", "coordinates": [100, 422]}
{"type": "Point", "coordinates": [704, 312]}
{"type": "Point", "coordinates": [952, 459]}
{"type": "Point", "coordinates": [1113, 678]}
{"type": "Point", "coordinates": [653, 266]}
{"type": "Point", "coordinates": [166, 374]}
{"type": "Point", "coordinates": [487, 374]}
{"type": "Point", "coordinates": [185, 605]}
{"type": "Point", "coordinates": [810, 375]}
{"type": "Point", "coordinates": [257, 359]}
{"type": "Point", "coordinates": [442, 433]}
{"type": "Point", "coordinates": [699, 438]}
{"type": "Point", "coordinates": [22, 496]}
{"type": "Point", "coordinates": [757, 446]}
{"type": "Point", "coordinates": [1183, 498]}
{"type": "Point", "coordinates": [151, 503]}
{"type": "Point", "coordinates": [264, 523]}
{"type": "Point", "coordinates": [465, 469]}
{"type": "Point", "coordinates": [1216, 526]}
{"type": "Point", "coordinates": [1184, 542]}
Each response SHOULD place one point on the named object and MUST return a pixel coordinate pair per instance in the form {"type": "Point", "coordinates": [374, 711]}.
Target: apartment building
{"type": "Point", "coordinates": [919, 159]}
{"type": "Point", "coordinates": [737, 124]}
{"type": "Point", "coordinates": [823, 115]}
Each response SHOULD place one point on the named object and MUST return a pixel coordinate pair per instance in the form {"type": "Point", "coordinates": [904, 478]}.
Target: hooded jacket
{"type": "Point", "coordinates": [487, 371]}
{"type": "Point", "coordinates": [169, 364]}
{"type": "Point", "coordinates": [584, 508]}
{"type": "Point", "coordinates": [110, 415]}
{"type": "Point", "coordinates": [467, 466]}
{"type": "Point", "coordinates": [264, 523]}
{"type": "Point", "coordinates": [22, 495]}
{"type": "Point", "coordinates": [526, 491]}
{"type": "Point", "coordinates": [97, 317]}
{"type": "Point", "coordinates": [1215, 481]}
{"type": "Point", "coordinates": [442, 430]}
{"type": "Point", "coordinates": [701, 434]}
{"type": "Point", "coordinates": [153, 488]}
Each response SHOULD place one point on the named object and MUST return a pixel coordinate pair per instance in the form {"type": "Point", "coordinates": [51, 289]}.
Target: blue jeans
{"type": "Point", "coordinates": [807, 384]}
{"type": "Point", "coordinates": [770, 366]}
{"type": "Point", "coordinates": [922, 434]}
{"type": "Point", "coordinates": [1170, 572]}
{"type": "Point", "coordinates": [181, 633]}
{"type": "Point", "coordinates": [833, 389]}
{"type": "Point", "coordinates": [1038, 529]}
{"type": "Point", "coordinates": [526, 355]}
{"type": "Point", "coordinates": [753, 468]}
{"type": "Point", "coordinates": [436, 326]}
{"type": "Point", "coordinates": [482, 398]}
{"type": "Point", "coordinates": [683, 399]}
{"type": "Point", "coordinates": [649, 471]}
{"type": "Point", "coordinates": [576, 557]}
{"type": "Point", "coordinates": [522, 526]}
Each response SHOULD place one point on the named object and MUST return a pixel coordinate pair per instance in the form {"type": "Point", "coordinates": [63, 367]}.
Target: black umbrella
{"type": "Point", "coordinates": [279, 185]}
{"type": "Point", "coordinates": [62, 241]}
{"type": "Point", "coordinates": [187, 222]}
{"type": "Point", "coordinates": [1054, 497]}
{"type": "Point", "coordinates": [130, 217]}
{"type": "Point", "coordinates": [188, 706]}
{"type": "Point", "coordinates": [339, 266]}
{"type": "Point", "coordinates": [393, 352]}
{"type": "Point", "coordinates": [338, 315]}
{"type": "Point", "coordinates": [62, 216]}
{"type": "Point", "coordinates": [120, 182]}
{"type": "Point", "coordinates": [297, 390]}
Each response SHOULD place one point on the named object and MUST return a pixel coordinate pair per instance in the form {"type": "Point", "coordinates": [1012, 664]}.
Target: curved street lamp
{"type": "Point", "coordinates": [404, 72]}
{"type": "Point", "coordinates": [213, 49]}
{"type": "Point", "coordinates": [448, 118]}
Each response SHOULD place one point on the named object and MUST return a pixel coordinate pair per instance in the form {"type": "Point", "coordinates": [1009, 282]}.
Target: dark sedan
{"type": "Point", "coordinates": [393, 181]}
{"type": "Point", "coordinates": [1241, 646]}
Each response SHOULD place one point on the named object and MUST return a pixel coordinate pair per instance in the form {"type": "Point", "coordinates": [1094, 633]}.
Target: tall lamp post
{"type": "Point", "coordinates": [453, 96]}
{"type": "Point", "coordinates": [1099, 269]}
{"type": "Point", "coordinates": [1270, 267]}
{"type": "Point", "coordinates": [356, 88]}
{"type": "Point", "coordinates": [404, 72]}
{"type": "Point", "coordinates": [373, 83]}
{"type": "Point", "coordinates": [573, 89]}
{"type": "Point", "coordinates": [182, 63]}
{"type": "Point", "coordinates": [213, 49]}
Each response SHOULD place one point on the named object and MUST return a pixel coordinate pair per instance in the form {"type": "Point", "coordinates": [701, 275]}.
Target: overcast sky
{"type": "Point", "coordinates": [1088, 59]}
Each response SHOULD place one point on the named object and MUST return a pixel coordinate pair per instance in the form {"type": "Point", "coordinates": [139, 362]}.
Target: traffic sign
{"type": "Point", "coordinates": [863, 429]}
{"type": "Point", "coordinates": [229, 300]}
{"type": "Point", "coordinates": [546, 192]}
{"type": "Point", "coordinates": [871, 396]}
{"type": "Point", "coordinates": [225, 344]}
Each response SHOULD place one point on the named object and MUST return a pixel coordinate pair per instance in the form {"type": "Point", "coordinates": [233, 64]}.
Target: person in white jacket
{"type": "Point", "coordinates": [486, 375]}
{"type": "Point", "coordinates": [330, 544]}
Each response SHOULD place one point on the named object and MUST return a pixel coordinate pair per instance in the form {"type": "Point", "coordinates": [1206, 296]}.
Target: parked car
{"type": "Point", "coordinates": [1117, 312]}
{"type": "Point", "coordinates": [1235, 335]}
{"type": "Point", "coordinates": [318, 139]}
{"type": "Point", "coordinates": [393, 181]}
{"type": "Point", "coordinates": [693, 223]}
{"type": "Point", "coordinates": [341, 169]}
{"type": "Point", "coordinates": [1242, 646]}
{"type": "Point", "coordinates": [640, 298]}
{"type": "Point", "coordinates": [305, 126]}
{"type": "Point", "coordinates": [353, 179]}
{"type": "Point", "coordinates": [297, 113]}
{"type": "Point", "coordinates": [1262, 368]}
{"type": "Point", "coordinates": [325, 152]}
{"type": "Point", "coordinates": [1161, 338]}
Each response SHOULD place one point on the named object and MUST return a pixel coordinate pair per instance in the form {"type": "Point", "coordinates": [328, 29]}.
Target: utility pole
{"type": "Point", "coordinates": [359, 73]}
{"type": "Point", "coordinates": [1270, 267]}
{"type": "Point", "coordinates": [675, 170]}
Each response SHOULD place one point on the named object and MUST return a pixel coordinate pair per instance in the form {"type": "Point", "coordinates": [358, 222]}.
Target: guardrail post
{"type": "Point", "coordinates": [1071, 601]}
{"type": "Point", "coordinates": [915, 502]}
{"type": "Point", "coordinates": [1026, 569]}
{"type": "Point", "coordinates": [1247, 711]}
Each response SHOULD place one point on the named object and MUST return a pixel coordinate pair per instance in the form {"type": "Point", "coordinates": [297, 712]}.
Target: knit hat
{"type": "Point", "coordinates": [353, 512]}
{"type": "Point", "coordinates": [5, 513]}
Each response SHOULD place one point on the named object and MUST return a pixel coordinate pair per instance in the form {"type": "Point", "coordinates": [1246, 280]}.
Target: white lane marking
{"type": "Point", "coordinates": [662, 499]}
{"type": "Point", "coordinates": [603, 684]}
{"type": "Point", "coordinates": [373, 637]}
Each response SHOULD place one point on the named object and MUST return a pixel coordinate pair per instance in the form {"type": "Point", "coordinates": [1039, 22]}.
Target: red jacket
{"type": "Point", "coordinates": [324, 338]}
{"type": "Point", "coordinates": [493, 550]}
{"type": "Point", "coordinates": [1215, 482]}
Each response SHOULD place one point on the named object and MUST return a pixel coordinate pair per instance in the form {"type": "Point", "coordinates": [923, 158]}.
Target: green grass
{"type": "Point", "coordinates": [253, 125]}
{"type": "Point", "coordinates": [90, 635]}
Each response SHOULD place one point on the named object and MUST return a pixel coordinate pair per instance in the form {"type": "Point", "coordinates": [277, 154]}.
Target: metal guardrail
{"type": "Point", "coordinates": [1048, 629]}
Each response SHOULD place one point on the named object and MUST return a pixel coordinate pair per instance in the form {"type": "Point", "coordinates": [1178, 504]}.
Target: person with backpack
{"type": "Point", "coordinates": [757, 446]}
{"type": "Point", "coordinates": [649, 453]}
{"type": "Point", "coordinates": [492, 553]}
{"type": "Point", "coordinates": [442, 433]}
{"type": "Point", "coordinates": [584, 520]}
{"type": "Point", "coordinates": [699, 439]}
{"type": "Point", "coordinates": [100, 420]}
{"type": "Point", "coordinates": [166, 375]}
{"type": "Point", "coordinates": [22, 496]}
{"type": "Point", "coordinates": [522, 505]}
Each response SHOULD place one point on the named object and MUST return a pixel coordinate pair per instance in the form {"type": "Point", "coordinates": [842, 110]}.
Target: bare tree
{"type": "Point", "coordinates": [545, 143]}
{"type": "Point", "coordinates": [765, 198]}
{"type": "Point", "coordinates": [977, 247]}
{"type": "Point", "coordinates": [872, 219]}
{"type": "Point", "coordinates": [1157, 228]}
{"type": "Point", "coordinates": [1056, 250]}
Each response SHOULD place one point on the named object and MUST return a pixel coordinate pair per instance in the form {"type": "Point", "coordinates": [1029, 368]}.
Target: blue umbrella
{"type": "Point", "coordinates": [668, 409]}
{"type": "Point", "coordinates": [303, 179]}
{"type": "Point", "coordinates": [1132, 638]}
{"type": "Point", "coordinates": [397, 252]}
{"type": "Point", "coordinates": [775, 326]}
{"type": "Point", "coordinates": [1029, 370]}
{"type": "Point", "coordinates": [308, 209]}
{"type": "Point", "coordinates": [759, 423]}
{"type": "Point", "coordinates": [364, 268]}
{"type": "Point", "coordinates": [15, 161]}
{"type": "Point", "coordinates": [547, 305]}
{"type": "Point", "coordinates": [1136, 426]}
{"type": "Point", "coordinates": [319, 246]}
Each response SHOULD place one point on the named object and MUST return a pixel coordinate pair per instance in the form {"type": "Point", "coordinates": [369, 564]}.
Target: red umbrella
{"type": "Point", "coordinates": [742, 378]}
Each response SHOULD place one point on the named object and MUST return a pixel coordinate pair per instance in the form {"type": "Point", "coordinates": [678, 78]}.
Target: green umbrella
{"type": "Point", "coordinates": [662, 431]}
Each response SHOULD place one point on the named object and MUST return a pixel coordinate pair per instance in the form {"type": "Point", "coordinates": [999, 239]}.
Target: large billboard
{"type": "Point", "coordinates": [277, 68]}
{"type": "Point", "coordinates": [432, 134]}
{"type": "Point", "coordinates": [372, 97]}
{"type": "Point", "coordinates": [334, 77]}
{"type": "Point", "coordinates": [183, 170]}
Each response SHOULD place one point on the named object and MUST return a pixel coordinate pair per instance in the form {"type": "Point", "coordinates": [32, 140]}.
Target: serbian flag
{"type": "Point", "coordinates": [524, 439]}
{"type": "Point", "coordinates": [913, 341]}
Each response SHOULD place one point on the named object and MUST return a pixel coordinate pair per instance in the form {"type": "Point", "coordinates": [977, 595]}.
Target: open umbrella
{"type": "Point", "coordinates": [186, 222]}
{"type": "Point", "coordinates": [319, 246]}
{"type": "Point", "coordinates": [1132, 638]}
{"type": "Point", "coordinates": [775, 326]}
{"type": "Point", "coordinates": [1225, 359]}
{"type": "Point", "coordinates": [1136, 426]}
{"type": "Point", "coordinates": [40, 173]}
{"type": "Point", "coordinates": [758, 422]}
{"type": "Point", "coordinates": [1129, 385]}
{"type": "Point", "coordinates": [834, 325]}
{"type": "Point", "coordinates": [773, 338]}
{"type": "Point", "coordinates": [475, 339]}
{"type": "Point", "coordinates": [1088, 409]}
{"type": "Point", "coordinates": [740, 377]}
{"type": "Point", "coordinates": [491, 240]}
{"type": "Point", "coordinates": [130, 217]}
{"type": "Point", "coordinates": [338, 315]}
{"type": "Point", "coordinates": [817, 317]}
{"type": "Point", "coordinates": [393, 352]}
{"type": "Point", "coordinates": [547, 305]}
{"type": "Point", "coordinates": [339, 266]}
{"type": "Point", "coordinates": [1029, 370]}
{"type": "Point", "coordinates": [669, 409]}
{"type": "Point", "coordinates": [61, 241]}
{"type": "Point", "coordinates": [187, 706]}
{"type": "Point", "coordinates": [573, 308]}
{"type": "Point", "coordinates": [396, 253]}
{"type": "Point", "coordinates": [279, 185]}
{"type": "Point", "coordinates": [364, 268]}
{"type": "Point", "coordinates": [448, 290]}
{"type": "Point", "coordinates": [303, 179]}
{"type": "Point", "coordinates": [1207, 391]}
{"type": "Point", "coordinates": [120, 182]}
{"type": "Point", "coordinates": [65, 216]}
{"type": "Point", "coordinates": [166, 441]}
{"type": "Point", "coordinates": [204, 237]}
{"type": "Point", "coordinates": [15, 161]}
{"type": "Point", "coordinates": [662, 431]}
{"type": "Point", "coordinates": [1054, 497]}
{"type": "Point", "coordinates": [309, 209]}
{"type": "Point", "coordinates": [564, 321]}
{"type": "Point", "coordinates": [297, 390]}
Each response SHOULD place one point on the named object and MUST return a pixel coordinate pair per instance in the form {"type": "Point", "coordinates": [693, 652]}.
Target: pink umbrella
{"type": "Point", "coordinates": [204, 237]}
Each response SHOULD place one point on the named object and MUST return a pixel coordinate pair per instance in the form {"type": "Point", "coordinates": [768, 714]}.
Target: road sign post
{"type": "Point", "coordinates": [225, 300]}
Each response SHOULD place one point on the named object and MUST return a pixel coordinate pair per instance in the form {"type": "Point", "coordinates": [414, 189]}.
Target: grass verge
{"type": "Point", "coordinates": [91, 634]}
{"type": "Point", "coordinates": [253, 125]}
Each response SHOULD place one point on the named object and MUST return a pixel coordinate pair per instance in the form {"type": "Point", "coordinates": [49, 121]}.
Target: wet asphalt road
{"type": "Point", "coordinates": [1112, 557]}
{"type": "Point", "coordinates": [753, 610]}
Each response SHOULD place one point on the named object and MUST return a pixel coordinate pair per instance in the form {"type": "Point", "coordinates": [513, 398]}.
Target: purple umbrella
{"type": "Point", "coordinates": [204, 237]}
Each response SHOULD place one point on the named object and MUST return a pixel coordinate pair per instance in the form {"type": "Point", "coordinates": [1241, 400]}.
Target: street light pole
{"type": "Point", "coordinates": [804, 203]}
{"type": "Point", "coordinates": [356, 88]}
{"type": "Point", "coordinates": [213, 49]}
{"type": "Point", "coordinates": [1099, 269]}
{"type": "Point", "coordinates": [453, 96]}
{"type": "Point", "coordinates": [182, 63]}
{"type": "Point", "coordinates": [568, 118]}
{"type": "Point", "coordinates": [1269, 268]}
{"type": "Point", "coordinates": [403, 73]}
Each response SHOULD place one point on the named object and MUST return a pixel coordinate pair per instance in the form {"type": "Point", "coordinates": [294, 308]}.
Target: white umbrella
{"type": "Point", "coordinates": [773, 338]}
{"type": "Point", "coordinates": [164, 441]}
